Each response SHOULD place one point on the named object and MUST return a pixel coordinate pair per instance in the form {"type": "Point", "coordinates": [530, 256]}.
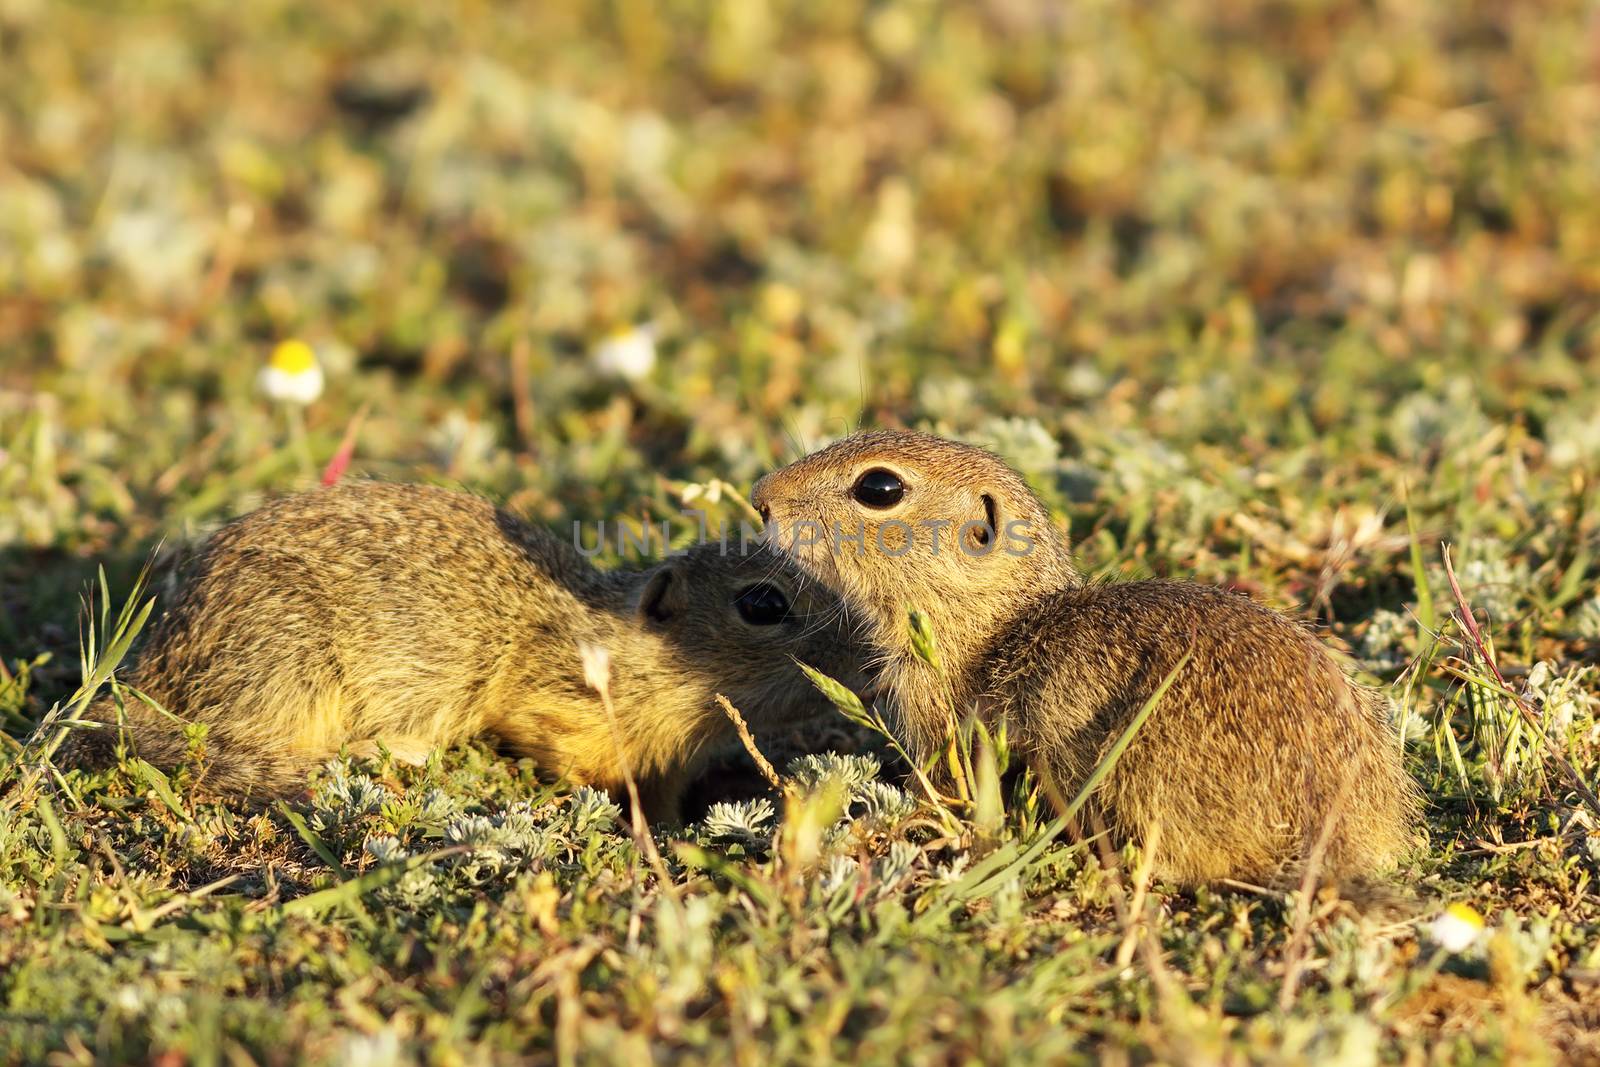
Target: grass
{"type": "Point", "coordinates": [1282, 297]}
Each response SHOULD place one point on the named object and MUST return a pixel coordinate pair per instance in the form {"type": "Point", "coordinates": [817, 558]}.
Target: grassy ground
{"type": "Point", "coordinates": [1274, 295]}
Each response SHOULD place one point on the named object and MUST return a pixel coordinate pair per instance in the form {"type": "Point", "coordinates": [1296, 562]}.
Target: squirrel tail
{"type": "Point", "coordinates": [223, 767]}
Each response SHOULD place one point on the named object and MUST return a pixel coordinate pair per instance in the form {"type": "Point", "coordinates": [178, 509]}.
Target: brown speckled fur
{"type": "Point", "coordinates": [1260, 742]}
{"type": "Point", "coordinates": [419, 616]}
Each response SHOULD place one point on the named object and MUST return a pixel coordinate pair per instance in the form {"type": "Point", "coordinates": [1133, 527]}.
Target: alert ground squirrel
{"type": "Point", "coordinates": [1258, 745]}
{"type": "Point", "coordinates": [417, 617]}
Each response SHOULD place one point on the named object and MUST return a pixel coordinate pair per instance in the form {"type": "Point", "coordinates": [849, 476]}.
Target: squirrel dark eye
{"type": "Point", "coordinates": [762, 605]}
{"type": "Point", "coordinates": [879, 488]}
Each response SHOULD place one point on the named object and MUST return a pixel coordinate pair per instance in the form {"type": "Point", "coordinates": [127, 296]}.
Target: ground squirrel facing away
{"type": "Point", "coordinates": [418, 616]}
{"type": "Point", "coordinates": [1260, 743]}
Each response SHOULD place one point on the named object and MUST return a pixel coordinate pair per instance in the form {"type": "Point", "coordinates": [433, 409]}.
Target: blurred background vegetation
{"type": "Point", "coordinates": [1200, 247]}
{"type": "Point", "coordinates": [1277, 294]}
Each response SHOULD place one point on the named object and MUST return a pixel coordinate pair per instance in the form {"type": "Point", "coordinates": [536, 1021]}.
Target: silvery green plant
{"type": "Point", "coordinates": [895, 867]}
{"type": "Point", "coordinates": [499, 846]}
{"type": "Point", "coordinates": [871, 804]}
{"type": "Point", "coordinates": [416, 890]}
{"type": "Point", "coordinates": [1437, 420]}
{"type": "Point", "coordinates": [343, 802]}
{"type": "Point", "coordinates": [842, 872]}
{"type": "Point", "coordinates": [1383, 642]}
{"type": "Point", "coordinates": [1024, 443]}
{"type": "Point", "coordinates": [382, 1049]}
{"type": "Point", "coordinates": [880, 805]}
{"type": "Point", "coordinates": [1356, 960]}
{"type": "Point", "coordinates": [589, 811]}
{"type": "Point", "coordinates": [1561, 697]}
{"type": "Point", "coordinates": [870, 801]}
{"type": "Point", "coordinates": [748, 823]}
{"type": "Point", "coordinates": [385, 849]}
{"type": "Point", "coordinates": [1585, 619]}
{"type": "Point", "coordinates": [953, 871]}
{"type": "Point", "coordinates": [437, 809]}
{"type": "Point", "coordinates": [811, 771]}
{"type": "Point", "coordinates": [836, 890]}
{"type": "Point", "coordinates": [486, 860]}
{"type": "Point", "coordinates": [684, 949]}
{"type": "Point", "coordinates": [495, 849]}
{"type": "Point", "coordinates": [518, 833]}
{"type": "Point", "coordinates": [1573, 438]}
{"type": "Point", "coordinates": [1493, 584]}
{"type": "Point", "coordinates": [1525, 948]}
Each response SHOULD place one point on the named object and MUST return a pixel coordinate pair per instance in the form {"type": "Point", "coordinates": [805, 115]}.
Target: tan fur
{"type": "Point", "coordinates": [418, 617]}
{"type": "Point", "coordinates": [1260, 742]}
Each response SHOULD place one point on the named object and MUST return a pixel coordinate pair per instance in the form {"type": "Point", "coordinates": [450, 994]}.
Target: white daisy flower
{"type": "Point", "coordinates": [292, 375]}
{"type": "Point", "coordinates": [628, 353]}
{"type": "Point", "coordinates": [1457, 928]}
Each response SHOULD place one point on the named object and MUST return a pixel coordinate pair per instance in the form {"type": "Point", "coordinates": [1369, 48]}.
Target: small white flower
{"type": "Point", "coordinates": [628, 353]}
{"type": "Point", "coordinates": [292, 375]}
{"type": "Point", "coordinates": [1457, 928]}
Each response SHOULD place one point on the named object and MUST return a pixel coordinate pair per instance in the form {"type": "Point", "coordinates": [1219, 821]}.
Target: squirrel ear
{"type": "Point", "coordinates": [984, 536]}
{"type": "Point", "coordinates": [662, 595]}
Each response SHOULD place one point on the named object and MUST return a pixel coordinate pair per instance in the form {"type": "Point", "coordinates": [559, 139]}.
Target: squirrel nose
{"type": "Point", "coordinates": [759, 497]}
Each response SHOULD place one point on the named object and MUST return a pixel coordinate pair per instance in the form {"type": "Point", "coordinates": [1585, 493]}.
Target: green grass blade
{"type": "Point", "coordinates": [160, 786]}
{"type": "Point", "coordinates": [1118, 747]}
{"type": "Point", "coordinates": [1006, 863]}
{"type": "Point", "coordinates": [1419, 575]}
{"type": "Point", "coordinates": [312, 839]}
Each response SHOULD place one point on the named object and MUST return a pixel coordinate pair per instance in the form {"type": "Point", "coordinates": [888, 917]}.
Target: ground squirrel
{"type": "Point", "coordinates": [417, 616]}
{"type": "Point", "coordinates": [1260, 742]}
